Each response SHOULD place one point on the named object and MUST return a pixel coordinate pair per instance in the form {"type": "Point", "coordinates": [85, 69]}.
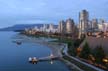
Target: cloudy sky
{"type": "Point", "coordinates": [48, 11]}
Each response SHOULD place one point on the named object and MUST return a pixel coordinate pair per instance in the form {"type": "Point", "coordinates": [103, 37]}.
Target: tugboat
{"type": "Point", "coordinates": [33, 60]}
{"type": "Point", "coordinates": [19, 43]}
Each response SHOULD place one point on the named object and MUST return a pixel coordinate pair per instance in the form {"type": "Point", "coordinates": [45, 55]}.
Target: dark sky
{"type": "Point", "coordinates": [48, 11]}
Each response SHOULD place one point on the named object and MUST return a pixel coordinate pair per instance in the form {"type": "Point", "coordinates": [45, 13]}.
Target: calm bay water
{"type": "Point", "coordinates": [14, 57]}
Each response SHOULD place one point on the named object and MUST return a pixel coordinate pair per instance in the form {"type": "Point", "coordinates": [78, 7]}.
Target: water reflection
{"type": "Point", "coordinates": [36, 62]}
{"type": "Point", "coordinates": [16, 59]}
{"type": "Point", "coordinates": [51, 62]}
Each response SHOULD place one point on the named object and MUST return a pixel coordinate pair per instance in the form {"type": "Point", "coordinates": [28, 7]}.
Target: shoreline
{"type": "Point", "coordinates": [58, 52]}
{"type": "Point", "coordinates": [56, 49]}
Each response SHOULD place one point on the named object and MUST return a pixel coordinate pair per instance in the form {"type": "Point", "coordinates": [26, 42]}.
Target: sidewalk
{"type": "Point", "coordinates": [76, 59]}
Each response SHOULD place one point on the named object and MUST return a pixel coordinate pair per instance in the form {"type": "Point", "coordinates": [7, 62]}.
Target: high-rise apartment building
{"type": "Point", "coordinates": [62, 27]}
{"type": "Point", "coordinates": [69, 26]}
{"type": "Point", "coordinates": [94, 24]}
{"type": "Point", "coordinates": [83, 22]}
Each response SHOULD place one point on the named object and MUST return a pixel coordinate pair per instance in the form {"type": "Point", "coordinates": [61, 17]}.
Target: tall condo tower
{"type": "Point", "coordinates": [69, 25]}
{"type": "Point", "coordinates": [83, 22]}
{"type": "Point", "coordinates": [62, 27]}
{"type": "Point", "coordinates": [94, 24]}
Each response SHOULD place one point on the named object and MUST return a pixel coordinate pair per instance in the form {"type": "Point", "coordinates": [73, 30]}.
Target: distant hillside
{"type": "Point", "coordinates": [20, 27]}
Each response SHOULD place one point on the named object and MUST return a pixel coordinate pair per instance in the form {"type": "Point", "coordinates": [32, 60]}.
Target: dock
{"type": "Point", "coordinates": [35, 60]}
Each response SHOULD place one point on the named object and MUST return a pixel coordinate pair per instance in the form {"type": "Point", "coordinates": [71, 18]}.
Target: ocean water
{"type": "Point", "coordinates": [14, 57]}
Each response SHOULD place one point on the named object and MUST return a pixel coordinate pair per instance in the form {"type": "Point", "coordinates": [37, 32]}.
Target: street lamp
{"type": "Point", "coordinates": [105, 60]}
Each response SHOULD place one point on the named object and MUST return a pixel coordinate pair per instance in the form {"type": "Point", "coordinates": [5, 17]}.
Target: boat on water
{"type": "Point", "coordinates": [17, 42]}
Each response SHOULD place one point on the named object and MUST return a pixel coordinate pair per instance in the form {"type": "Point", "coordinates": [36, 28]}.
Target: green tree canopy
{"type": "Point", "coordinates": [85, 51]}
{"type": "Point", "coordinates": [99, 54]}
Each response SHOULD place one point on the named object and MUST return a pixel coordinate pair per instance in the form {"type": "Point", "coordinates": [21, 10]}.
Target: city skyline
{"type": "Point", "coordinates": [54, 35]}
{"type": "Point", "coordinates": [46, 11]}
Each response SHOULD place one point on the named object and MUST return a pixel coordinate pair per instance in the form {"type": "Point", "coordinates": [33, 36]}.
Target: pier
{"type": "Point", "coordinates": [53, 46]}
{"type": "Point", "coordinates": [35, 60]}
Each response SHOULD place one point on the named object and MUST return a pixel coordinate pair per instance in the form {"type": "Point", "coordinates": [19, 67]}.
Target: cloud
{"type": "Point", "coordinates": [50, 10]}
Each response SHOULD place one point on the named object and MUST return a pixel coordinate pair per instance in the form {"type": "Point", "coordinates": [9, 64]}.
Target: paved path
{"type": "Point", "coordinates": [56, 50]}
{"type": "Point", "coordinates": [76, 59]}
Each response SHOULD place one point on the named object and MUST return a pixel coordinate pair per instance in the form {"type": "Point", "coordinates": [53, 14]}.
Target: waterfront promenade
{"type": "Point", "coordinates": [56, 49]}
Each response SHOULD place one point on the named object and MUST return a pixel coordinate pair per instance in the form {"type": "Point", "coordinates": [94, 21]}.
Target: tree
{"type": "Point", "coordinates": [72, 50]}
{"type": "Point", "coordinates": [85, 51]}
{"type": "Point", "coordinates": [99, 54]}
